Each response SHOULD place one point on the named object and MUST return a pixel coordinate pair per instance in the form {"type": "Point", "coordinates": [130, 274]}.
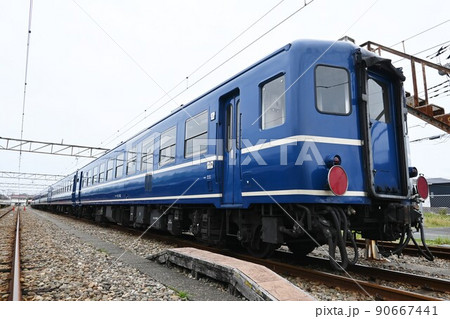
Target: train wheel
{"type": "Point", "coordinates": [258, 248]}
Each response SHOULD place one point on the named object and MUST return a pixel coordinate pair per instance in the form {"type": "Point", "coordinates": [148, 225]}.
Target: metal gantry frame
{"type": "Point", "coordinates": [49, 148]}
{"type": "Point", "coordinates": [31, 176]}
{"type": "Point", "coordinates": [13, 144]}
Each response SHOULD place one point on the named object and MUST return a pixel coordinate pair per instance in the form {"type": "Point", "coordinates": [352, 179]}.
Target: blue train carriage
{"type": "Point", "coordinates": [306, 147]}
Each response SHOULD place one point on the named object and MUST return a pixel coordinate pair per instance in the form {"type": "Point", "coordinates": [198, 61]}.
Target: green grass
{"type": "Point", "coordinates": [182, 294]}
{"type": "Point", "coordinates": [102, 250]}
{"type": "Point", "coordinates": [438, 241]}
{"type": "Point", "coordinates": [436, 220]}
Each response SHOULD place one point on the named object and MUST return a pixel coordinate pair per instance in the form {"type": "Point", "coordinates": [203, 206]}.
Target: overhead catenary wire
{"type": "Point", "coordinates": [30, 15]}
{"type": "Point", "coordinates": [422, 51]}
{"type": "Point", "coordinates": [196, 70]}
{"type": "Point", "coordinates": [124, 51]}
{"type": "Point", "coordinates": [146, 115]}
{"type": "Point", "coordinates": [422, 32]}
{"type": "Point", "coordinates": [213, 70]}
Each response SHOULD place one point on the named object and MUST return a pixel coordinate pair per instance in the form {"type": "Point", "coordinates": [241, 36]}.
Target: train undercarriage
{"type": "Point", "coordinates": [262, 229]}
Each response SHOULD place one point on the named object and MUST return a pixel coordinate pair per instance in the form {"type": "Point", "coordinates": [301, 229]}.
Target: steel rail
{"type": "Point", "coordinates": [441, 252]}
{"type": "Point", "coordinates": [15, 286]}
{"type": "Point", "coordinates": [378, 292]}
{"type": "Point", "coordinates": [1, 216]}
{"type": "Point", "coordinates": [429, 283]}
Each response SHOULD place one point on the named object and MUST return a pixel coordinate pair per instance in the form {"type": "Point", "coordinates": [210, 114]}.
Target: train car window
{"type": "Point", "coordinates": [273, 103]}
{"type": "Point", "coordinates": [332, 90]}
{"type": "Point", "coordinates": [167, 148]}
{"type": "Point", "coordinates": [95, 176]}
{"type": "Point", "coordinates": [147, 155]}
{"type": "Point", "coordinates": [119, 165]}
{"type": "Point", "coordinates": [196, 134]}
{"type": "Point", "coordinates": [109, 170]}
{"type": "Point", "coordinates": [378, 101]}
{"type": "Point", "coordinates": [131, 161]}
{"type": "Point", "coordinates": [101, 174]}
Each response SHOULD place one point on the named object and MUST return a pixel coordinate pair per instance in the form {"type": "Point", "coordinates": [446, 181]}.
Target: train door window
{"type": "Point", "coordinates": [238, 124]}
{"type": "Point", "coordinates": [131, 161]}
{"type": "Point", "coordinates": [119, 165]}
{"type": "Point", "coordinates": [332, 90]}
{"type": "Point", "coordinates": [95, 176]}
{"type": "Point", "coordinates": [109, 170]}
{"type": "Point", "coordinates": [167, 147]}
{"type": "Point", "coordinates": [89, 178]}
{"type": "Point", "coordinates": [101, 174]}
{"type": "Point", "coordinates": [229, 127]}
{"type": "Point", "coordinates": [147, 155]}
{"type": "Point", "coordinates": [273, 103]}
{"type": "Point", "coordinates": [378, 101]}
{"type": "Point", "coordinates": [196, 134]}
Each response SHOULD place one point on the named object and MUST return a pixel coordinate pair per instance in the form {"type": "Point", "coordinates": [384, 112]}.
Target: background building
{"type": "Point", "coordinates": [439, 194]}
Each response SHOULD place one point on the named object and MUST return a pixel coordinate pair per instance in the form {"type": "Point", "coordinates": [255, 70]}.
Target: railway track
{"type": "Point", "coordinates": [421, 285]}
{"type": "Point", "coordinates": [374, 273]}
{"type": "Point", "coordinates": [411, 250]}
{"type": "Point", "coordinates": [377, 291]}
{"type": "Point", "coordinates": [10, 286]}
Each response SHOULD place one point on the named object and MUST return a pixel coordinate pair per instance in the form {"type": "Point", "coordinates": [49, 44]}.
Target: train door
{"type": "Point", "coordinates": [80, 184]}
{"type": "Point", "coordinates": [231, 133]}
{"type": "Point", "coordinates": [49, 194]}
{"type": "Point", "coordinates": [74, 188]}
{"type": "Point", "coordinates": [381, 107]}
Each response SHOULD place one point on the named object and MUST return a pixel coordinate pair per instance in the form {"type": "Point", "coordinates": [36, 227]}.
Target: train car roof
{"type": "Point", "coordinates": [285, 48]}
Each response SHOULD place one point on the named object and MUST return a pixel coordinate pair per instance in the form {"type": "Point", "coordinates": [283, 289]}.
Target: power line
{"type": "Point", "coordinates": [420, 52]}
{"type": "Point", "coordinates": [196, 70]}
{"type": "Point", "coordinates": [30, 15]}
{"type": "Point", "coordinates": [213, 70]}
{"type": "Point", "coordinates": [237, 37]}
{"type": "Point", "coordinates": [417, 34]}
{"type": "Point", "coordinates": [124, 51]}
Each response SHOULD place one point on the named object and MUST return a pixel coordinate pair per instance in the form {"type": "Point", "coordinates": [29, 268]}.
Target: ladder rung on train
{"type": "Point", "coordinates": [420, 106]}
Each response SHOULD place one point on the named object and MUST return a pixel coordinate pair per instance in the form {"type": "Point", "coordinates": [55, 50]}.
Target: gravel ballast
{"type": "Point", "coordinates": [58, 266]}
{"type": "Point", "coordinates": [69, 259]}
{"type": "Point", "coordinates": [111, 242]}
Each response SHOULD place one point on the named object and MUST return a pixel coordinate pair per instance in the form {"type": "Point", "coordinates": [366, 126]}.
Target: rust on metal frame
{"type": "Point", "coordinates": [416, 106]}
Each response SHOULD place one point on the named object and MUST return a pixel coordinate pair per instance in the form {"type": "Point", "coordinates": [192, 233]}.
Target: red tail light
{"type": "Point", "coordinates": [337, 180]}
{"type": "Point", "coordinates": [422, 187]}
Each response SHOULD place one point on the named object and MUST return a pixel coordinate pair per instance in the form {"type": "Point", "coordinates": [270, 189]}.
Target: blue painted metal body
{"type": "Point", "coordinates": [293, 154]}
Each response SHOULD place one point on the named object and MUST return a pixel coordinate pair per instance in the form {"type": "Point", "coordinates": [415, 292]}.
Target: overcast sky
{"type": "Point", "coordinates": [95, 65]}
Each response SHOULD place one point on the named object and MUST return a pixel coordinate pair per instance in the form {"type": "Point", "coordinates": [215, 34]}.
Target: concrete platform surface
{"type": "Point", "coordinates": [255, 282]}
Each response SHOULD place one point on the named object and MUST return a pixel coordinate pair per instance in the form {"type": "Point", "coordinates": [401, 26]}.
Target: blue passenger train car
{"type": "Point", "coordinates": [306, 147]}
